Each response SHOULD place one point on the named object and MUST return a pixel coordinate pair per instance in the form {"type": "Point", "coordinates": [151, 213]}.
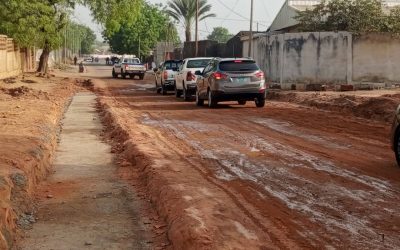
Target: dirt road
{"type": "Point", "coordinates": [285, 176]}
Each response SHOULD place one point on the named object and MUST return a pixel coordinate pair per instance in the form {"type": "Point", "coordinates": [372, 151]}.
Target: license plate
{"type": "Point", "coordinates": [241, 80]}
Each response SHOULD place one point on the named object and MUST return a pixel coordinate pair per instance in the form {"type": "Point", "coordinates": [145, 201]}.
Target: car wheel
{"type": "Point", "coordinates": [185, 93]}
{"type": "Point", "coordinates": [212, 103]}
{"type": "Point", "coordinates": [114, 75]}
{"type": "Point", "coordinates": [177, 92]}
{"type": "Point", "coordinates": [199, 101]}
{"type": "Point", "coordinates": [163, 90]}
{"type": "Point", "coordinates": [260, 102]}
{"type": "Point", "coordinates": [242, 102]}
{"type": "Point", "coordinates": [123, 75]}
{"type": "Point", "coordinates": [397, 146]}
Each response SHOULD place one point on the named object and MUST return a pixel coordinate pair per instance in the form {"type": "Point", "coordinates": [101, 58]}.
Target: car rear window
{"type": "Point", "coordinates": [172, 65]}
{"type": "Point", "coordinates": [132, 61]}
{"type": "Point", "coordinates": [200, 63]}
{"type": "Point", "coordinates": [238, 65]}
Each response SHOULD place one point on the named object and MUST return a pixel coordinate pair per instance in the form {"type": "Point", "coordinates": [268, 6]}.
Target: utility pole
{"type": "Point", "coordinates": [251, 29]}
{"type": "Point", "coordinates": [197, 27]}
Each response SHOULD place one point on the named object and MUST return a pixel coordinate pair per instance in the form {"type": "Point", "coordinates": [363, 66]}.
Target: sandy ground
{"type": "Point", "coordinates": [84, 204]}
{"type": "Point", "coordinates": [30, 110]}
{"type": "Point", "coordinates": [237, 177]}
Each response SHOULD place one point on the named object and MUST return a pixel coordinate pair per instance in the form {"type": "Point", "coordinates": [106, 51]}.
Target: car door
{"type": "Point", "coordinates": [179, 76]}
{"type": "Point", "coordinates": [207, 75]}
{"type": "Point", "coordinates": [202, 81]}
{"type": "Point", "coordinates": [159, 74]}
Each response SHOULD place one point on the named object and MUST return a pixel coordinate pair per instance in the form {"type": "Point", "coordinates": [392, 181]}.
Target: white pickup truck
{"type": "Point", "coordinates": [129, 67]}
{"type": "Point", "coordinates": [185, 79]}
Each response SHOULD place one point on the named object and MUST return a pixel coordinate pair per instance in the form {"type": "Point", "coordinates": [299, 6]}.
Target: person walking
{"type": "Point", "coordinates": [75, 60]}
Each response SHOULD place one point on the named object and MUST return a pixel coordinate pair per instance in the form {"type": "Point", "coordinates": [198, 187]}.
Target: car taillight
{"type": "Point", "coordinates": [165, 75]}
{"type": "Point", "coordinates": [260, 75]}
{"type": "Point", "coordinates": [126, 66]}
{"type": "Point", "coordinates": [219, 76]}
{"type": "Point", "coordinates": [190, 76]}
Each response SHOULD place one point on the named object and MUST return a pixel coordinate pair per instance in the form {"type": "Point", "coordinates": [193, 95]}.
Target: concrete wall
{"type": "Point", "coordinates": [327, 57]}
{"type": "Point", "coordinates": [376, 58]}
{"type": "Point", "coordinates": [14, 60]}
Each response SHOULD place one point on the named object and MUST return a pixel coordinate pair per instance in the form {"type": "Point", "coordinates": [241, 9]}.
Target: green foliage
{"type": "Point", "coordinates": [184, 11]}
{"type": "Point", "coordinates": [220, 34]}
{"type": "Point", "coordinates": [355, 16]}
{"type": "Point", "coordinates": [88, 40]}
{"type": "Point", "coordinates": [113, 14]}
{"type": "Point", "coordinates": [34, 23]}
{"type": "Point", "coordinates": [152, 25]}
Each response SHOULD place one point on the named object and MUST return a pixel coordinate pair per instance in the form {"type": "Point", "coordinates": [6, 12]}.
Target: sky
{"type": "Point", "coordinates": [231, 14]}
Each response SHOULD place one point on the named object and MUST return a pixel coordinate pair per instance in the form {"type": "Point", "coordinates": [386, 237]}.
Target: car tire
{"type": "Point", "coordinates": [199, 101]}
{"type": "Point", "coordinates": [242, 102]}
{"type": "Point", "coordinates": [132, 76]}
{"type": "Point", "coordinates": [185, 93]}
{"type": "Point", "coordinates": [163, 90]}
{"type": "Point", "coordinates": [396, 146]}
{"type": "Point", "coordinates": [177, 92]}
{"type": "Point", "coordinates": [212, 102]}
{"type": "Point", "coordinates": [260, 102]}
{"type": "Point", "coordinates": [114, 75]}
{"type": "Point", "coordinates": [123, 75]}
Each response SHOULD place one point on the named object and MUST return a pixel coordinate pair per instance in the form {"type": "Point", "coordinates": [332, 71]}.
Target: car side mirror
{"type": "Point", "coordinates": [198, 73]}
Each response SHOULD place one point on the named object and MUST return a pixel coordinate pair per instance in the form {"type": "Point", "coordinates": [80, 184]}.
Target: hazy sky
{"type": "Point", "coordinates": [231, 14]}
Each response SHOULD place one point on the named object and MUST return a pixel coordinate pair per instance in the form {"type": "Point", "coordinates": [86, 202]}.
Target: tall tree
{"type": "Point", "coordinates": [112, 14]}
{"type": "Point", "coordinates": [35, 23]}
{"type": "Point", "coordinates": [151, 26]}
{"type": "Point", "coordinates": [88, 38]}
{"type": "Point", "coordinates": [355, 16]}
{"type": "Point", "coordinates": [220, 34]}
{"type": "Point", "coordinates": [184, 11]}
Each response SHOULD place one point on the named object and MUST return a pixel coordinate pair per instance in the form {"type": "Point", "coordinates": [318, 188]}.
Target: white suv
{"type": "Point", "coordinates": [185, 79]}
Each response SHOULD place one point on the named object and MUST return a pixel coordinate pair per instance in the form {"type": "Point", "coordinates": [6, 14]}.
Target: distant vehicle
{"type": "Point", "coordinates": [165, 76]}
{"type": "Point", "coordinates": [395, 135]}
{"type": "Point", "coordinates": [185, 79]}
{"type": "Point", "coordinates": [129, 67]}
{"type": "Point", "coordinates": [231, 79]}
{"type": "Point", "coordinates": [88, 59]}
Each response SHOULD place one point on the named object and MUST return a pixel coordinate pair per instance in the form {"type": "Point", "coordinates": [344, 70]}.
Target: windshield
{"type": "Point", "coordinates": [172, 65]}
{"type": "Point", "coordinates": [201, 63]}
{"type": "Point", "coordinates": [238, 65]}
{"type": "Point", "coordinates": [132, 61]}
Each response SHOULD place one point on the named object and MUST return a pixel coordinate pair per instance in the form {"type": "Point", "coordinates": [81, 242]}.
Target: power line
{"type": "Point", "coordinates": [237, 1]}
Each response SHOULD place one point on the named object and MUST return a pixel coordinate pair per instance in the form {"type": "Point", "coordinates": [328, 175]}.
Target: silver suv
{"type": "Point", "coordinates": [231, 79]}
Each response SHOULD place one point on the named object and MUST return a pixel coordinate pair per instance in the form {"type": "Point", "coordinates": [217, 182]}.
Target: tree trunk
{"type": "Point", "coordinates": [188, 34]}
{"type": "Point", "coordinates": [44, 59]}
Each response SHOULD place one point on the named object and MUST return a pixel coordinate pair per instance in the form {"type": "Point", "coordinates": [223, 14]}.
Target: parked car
{"type": "Point", "coordinates": [185, 79]}
{"type": "Point", "coordinates": [129, 67]}
{"type": "Point", "coordinates": [231, 79]}
{"type": "Point", "coordinates": [88, 59]}
{"type": "Point", "coordinates": [395, 135]}
{"type": "Point", "coordinates": [165, 76]}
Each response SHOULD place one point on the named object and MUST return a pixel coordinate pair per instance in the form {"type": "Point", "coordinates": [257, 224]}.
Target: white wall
{"type": "Point", "coordinates": [327, 57]}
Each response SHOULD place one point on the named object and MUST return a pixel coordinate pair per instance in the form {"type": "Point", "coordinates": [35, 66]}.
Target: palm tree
{"type": "Point", "coordinates": [185, 11]}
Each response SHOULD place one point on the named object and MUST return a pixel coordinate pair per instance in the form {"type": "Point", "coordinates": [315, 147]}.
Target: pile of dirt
{"type": "Point", "coordinates": [379, 108]}
{"type": "Point", "coordinates": [28, 138]}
